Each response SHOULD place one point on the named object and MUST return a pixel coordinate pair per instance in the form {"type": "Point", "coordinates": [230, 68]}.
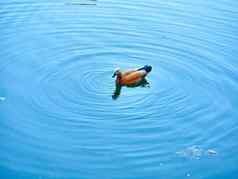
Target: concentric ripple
{"type": "Point", "coordinates": [58, 118]}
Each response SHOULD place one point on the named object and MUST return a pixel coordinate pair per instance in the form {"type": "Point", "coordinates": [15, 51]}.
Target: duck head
{"type": "Point", "coordinates": [148, 68]}
{"type": "Point", "coordinates": [117, 72]}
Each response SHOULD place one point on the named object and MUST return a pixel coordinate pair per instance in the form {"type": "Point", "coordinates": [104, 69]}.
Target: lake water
{"type": "Point", "coordinates": [57, 115]}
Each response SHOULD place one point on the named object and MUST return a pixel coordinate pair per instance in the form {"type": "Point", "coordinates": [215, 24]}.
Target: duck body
{"type": "Point", "coordinates": [131, 77]}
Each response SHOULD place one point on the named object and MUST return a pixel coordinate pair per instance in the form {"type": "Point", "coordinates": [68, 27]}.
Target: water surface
{"type": "Point", "coordinates": [57, 117]}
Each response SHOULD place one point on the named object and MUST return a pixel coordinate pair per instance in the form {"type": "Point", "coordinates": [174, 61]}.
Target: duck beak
{"type": "Point", "coordinates": [114, 74]}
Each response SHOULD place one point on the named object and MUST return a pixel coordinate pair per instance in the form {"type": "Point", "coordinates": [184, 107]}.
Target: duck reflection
{"type": "Point", "coordinates": [143, 83]}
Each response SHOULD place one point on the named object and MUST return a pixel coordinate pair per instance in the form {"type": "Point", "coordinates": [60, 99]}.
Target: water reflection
{"type": "Point", "coordinates": [143, 83]}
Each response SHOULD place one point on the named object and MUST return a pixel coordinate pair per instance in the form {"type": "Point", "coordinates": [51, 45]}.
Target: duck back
{"type": "Point", "coordinates": [134, 77]}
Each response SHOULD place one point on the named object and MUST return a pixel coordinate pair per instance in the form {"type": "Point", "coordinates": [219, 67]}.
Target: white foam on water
{"type": "Point", "coordinates": [196, 152]}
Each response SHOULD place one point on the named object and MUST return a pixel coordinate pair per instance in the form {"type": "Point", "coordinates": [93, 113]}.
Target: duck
{"type": "Point", "coordinates": [131, 77]}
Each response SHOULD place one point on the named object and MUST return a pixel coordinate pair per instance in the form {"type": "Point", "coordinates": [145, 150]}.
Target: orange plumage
{"type": "Point", "coordinates": [131, 77]}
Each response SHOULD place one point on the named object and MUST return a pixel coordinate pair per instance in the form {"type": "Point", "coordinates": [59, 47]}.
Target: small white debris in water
{"type": "Point", "coordinates": [188, 175]}
{"type": "Point", "coordinates": [211, 152]}
{"type": "Point", "coordinates": [2, 98]}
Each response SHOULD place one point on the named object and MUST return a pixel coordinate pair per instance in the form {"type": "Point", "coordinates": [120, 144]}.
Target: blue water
{"type": "Point", "coordinates": [57, 116]}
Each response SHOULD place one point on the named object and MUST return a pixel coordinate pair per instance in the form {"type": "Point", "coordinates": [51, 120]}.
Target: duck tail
{"type": "Point", "coordinates": [147, 68]}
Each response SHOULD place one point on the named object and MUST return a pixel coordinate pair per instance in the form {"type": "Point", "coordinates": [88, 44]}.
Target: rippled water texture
{"type": "Point", "coordinates": [57, 116]}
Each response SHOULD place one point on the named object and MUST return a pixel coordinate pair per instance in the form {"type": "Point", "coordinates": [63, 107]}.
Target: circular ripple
{"type": "Point", "coordinates": [57, 62]}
